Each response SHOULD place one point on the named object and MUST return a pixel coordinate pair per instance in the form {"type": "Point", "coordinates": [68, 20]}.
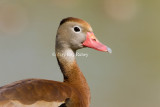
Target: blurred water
{"type": "Point", "coordinates": [129, 77]}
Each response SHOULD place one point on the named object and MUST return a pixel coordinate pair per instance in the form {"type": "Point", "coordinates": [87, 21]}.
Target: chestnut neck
{"type": "Point", "coordinates": [68, 65]}
{"type": "Point", "coordinates": [72, 74]}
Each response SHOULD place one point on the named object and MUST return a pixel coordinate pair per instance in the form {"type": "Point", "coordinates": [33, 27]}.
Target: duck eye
{"type": "Point", "coordinates": [77, 29]}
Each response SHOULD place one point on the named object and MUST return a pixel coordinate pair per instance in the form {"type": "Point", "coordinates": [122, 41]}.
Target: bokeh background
{"type": "Point", "coordinates": [129, 77]}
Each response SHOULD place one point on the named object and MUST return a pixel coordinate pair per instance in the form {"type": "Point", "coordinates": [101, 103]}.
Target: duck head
{"type": "Point", "coordinates": [76, 33]}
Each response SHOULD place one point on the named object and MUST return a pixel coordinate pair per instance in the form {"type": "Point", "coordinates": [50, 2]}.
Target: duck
{"type": "Point", "coordinates": [72, 34]}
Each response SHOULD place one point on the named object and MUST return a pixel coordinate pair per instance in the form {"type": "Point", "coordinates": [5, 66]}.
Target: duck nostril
{"type": "Point", "coordinates": [94, 39]}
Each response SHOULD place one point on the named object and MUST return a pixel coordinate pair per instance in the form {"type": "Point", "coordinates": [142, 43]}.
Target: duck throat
{"type": "Point", "coordinates": [66, 55]}
{"type": "Point", "coordinates": [67, 62]}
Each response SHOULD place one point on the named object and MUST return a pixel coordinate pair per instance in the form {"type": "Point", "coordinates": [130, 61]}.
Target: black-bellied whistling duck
{"type": "Point", "coordinates": [72, 34]}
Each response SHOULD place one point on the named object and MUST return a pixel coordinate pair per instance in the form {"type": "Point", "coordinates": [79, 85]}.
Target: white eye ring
{"type": "Point", "coordinates": [76, 29]}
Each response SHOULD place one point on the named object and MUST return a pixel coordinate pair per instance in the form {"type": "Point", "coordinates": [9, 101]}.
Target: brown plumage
{"type": "Point", "coordinates": [72, 34]}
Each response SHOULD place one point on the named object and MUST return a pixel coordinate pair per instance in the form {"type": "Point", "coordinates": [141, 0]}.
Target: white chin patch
{"type": "Point", "coordinates": [67, 55]}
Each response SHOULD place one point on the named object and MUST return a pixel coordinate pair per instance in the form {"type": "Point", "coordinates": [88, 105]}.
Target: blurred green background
{"type": "Point", "coordinates": [129, 77]}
